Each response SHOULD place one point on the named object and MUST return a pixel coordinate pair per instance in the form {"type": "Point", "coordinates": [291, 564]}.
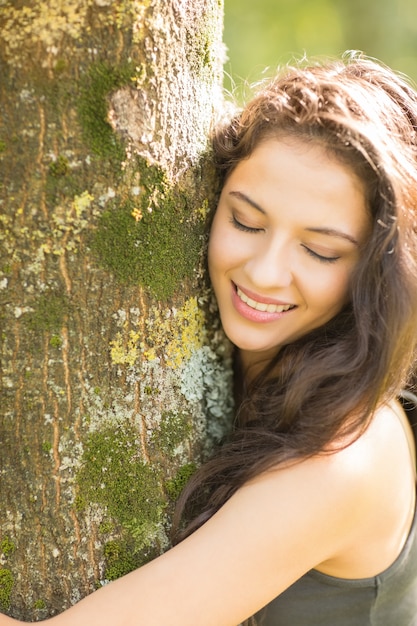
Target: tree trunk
{"type": "Point", "coordinates": [115, 380]}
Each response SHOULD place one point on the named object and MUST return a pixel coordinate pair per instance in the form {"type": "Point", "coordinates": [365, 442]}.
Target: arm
{"type": "Point", "coordinates": [265, 537]}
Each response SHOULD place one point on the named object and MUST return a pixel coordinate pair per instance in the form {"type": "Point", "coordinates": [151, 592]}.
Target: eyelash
{"type": "Point", "coordinates": [245, 229]}
{"type": "Point", "coordinates": [249, 229]}
{"type": "Point", "coordinates": [320, 257]}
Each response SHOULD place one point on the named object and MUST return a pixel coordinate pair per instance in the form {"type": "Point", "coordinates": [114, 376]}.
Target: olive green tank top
{"type": "Point", "coordinates": [389, 599]}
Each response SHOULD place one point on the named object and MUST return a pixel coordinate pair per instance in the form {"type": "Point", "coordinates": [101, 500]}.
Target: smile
{"type": "Point", "coordinates": [262, 306]}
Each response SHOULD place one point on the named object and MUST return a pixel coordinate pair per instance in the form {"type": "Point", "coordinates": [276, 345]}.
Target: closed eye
{"type": "Point", "coordinates": [240, 226]}
{"type": "Point", "coordinates": [320, 257]}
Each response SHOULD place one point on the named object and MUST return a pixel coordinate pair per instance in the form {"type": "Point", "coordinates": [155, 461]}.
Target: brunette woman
{"type": "Point", "coordinates": [309, 508]}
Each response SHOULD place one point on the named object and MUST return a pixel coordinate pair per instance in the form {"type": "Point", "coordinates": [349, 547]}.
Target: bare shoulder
{"type": "Point", "coordinates": [388, 444]}
{"type": "Point", "coordinates": [384, 457]}
{"type": "Point", "coordinates": [309, 511]}
{"type": "Point", "coordinates": [359, 499]}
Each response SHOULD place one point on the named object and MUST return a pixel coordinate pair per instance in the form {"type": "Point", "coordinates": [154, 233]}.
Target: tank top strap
{"type": "Point", "coordinates": [408, 401]}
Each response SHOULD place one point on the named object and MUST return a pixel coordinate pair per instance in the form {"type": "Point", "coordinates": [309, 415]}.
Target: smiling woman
{"type": "Point", "coordinates": [305, 516]}
{"type": "Point", "coordinates": [285, 240]}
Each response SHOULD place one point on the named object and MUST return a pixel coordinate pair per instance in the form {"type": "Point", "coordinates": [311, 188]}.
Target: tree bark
{"type": "Point", "coordinates": [115, 378]}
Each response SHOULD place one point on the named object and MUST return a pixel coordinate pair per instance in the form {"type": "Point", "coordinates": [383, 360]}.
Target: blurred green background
{"type": "Point", "coordinates": [262, 34]}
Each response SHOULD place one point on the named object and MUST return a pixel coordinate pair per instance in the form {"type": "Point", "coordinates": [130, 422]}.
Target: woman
{"type": "Point", "coordinates": [309, 508]}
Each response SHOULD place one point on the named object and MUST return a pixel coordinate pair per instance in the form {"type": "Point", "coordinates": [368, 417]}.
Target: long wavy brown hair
{"type": "Point", "coordinates": [327, 384]}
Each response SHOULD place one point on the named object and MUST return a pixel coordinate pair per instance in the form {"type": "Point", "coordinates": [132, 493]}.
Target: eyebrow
{"type": "Point", "coordinates": [242, 196]}
{"type": "Point", "coordinates": [332, 232]}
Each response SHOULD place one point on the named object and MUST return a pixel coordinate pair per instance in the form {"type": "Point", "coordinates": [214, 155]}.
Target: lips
{"type": "Point", "coordinates": [263, 306]}
{"type": "Point", "coordinates": [259, 309]}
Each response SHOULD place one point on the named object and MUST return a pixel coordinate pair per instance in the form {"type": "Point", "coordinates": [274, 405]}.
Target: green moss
{"type": "Point", "coordinates": [121, 558]}
{"type": "Point", "coordinates": [3, 146]}
{"type": "Point", "coordinates": [154, 240]}
{"type": "Point", "coordinates": [106, 527]}
{"type": "Point", "coordinates": [39, 604]}
{"type": "Point", "coordinates": [59, 167]}
{"type": "Point", "coordinates": [7, 546]}
{"type": "Point", "coordinates": [121, 555]}
{"type": "Point", "coordinates": [46, 446]}
{"type": "Point", "coordinates": [62, 181]}
{"type": "Point", "coordinates": [80, 502]}
{"type": "Point", "coordinates": [151, 391]}
{"type": "Point", "coordinates": [101, 80]}
{"type": "Point", "coordinates": [48, 313]}
{"type": "Point", "coordinates": [175, 485]}
{"type": "Point", "coordinates": [173, 430]}
{"type": "Point", "coordinates": [6, 586]}
{"type": "Point", "coordinates": [114, 476]}
{"type": "Point", "coordinates": [55, 341]}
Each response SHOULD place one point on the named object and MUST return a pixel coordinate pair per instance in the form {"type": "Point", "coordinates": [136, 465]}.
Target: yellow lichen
{"type": "Point", "coordinates": [203, 210]}
{"type": "Point", "coordinates": [137, 214]}
{"type": "Point", "coordinates": [149, 355]}
{"type": "Point", "coordinates": [174, 334]}
{"type": "Point", "coordinates": [125, 352]}
{"type": "Point", "coordinates": [188, 331]}
{"type": "Point", "coordinates": [68, 222]}
{"type": "Point", "coordinates": [82, 203]}
{"type": "Point", "coordinates": [179, 332]}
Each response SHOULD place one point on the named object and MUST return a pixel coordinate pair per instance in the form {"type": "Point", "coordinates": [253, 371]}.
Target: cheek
{"type": "Point", "coordinates": [325, 291]}
{"type": "Point", "coordinates": [337, 291]}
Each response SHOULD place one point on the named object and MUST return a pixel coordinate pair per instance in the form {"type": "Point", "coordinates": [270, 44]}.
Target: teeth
{"type": "Point", "coordinates": [261, 306]}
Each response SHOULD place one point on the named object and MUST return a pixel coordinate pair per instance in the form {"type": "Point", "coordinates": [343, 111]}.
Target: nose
{"type": "Point", "coordinates": [269, 265]}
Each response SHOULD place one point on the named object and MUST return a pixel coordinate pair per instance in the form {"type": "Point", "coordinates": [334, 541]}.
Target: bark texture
{"type": "Point", "coordinates": [114, 378]}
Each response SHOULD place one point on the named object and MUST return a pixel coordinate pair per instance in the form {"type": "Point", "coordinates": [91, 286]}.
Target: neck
{"type": "Point", "coordinates": [252, 363]}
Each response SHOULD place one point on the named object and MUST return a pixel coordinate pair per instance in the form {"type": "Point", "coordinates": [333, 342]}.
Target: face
{"type": "Point", "coordinates": [285, 239]}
